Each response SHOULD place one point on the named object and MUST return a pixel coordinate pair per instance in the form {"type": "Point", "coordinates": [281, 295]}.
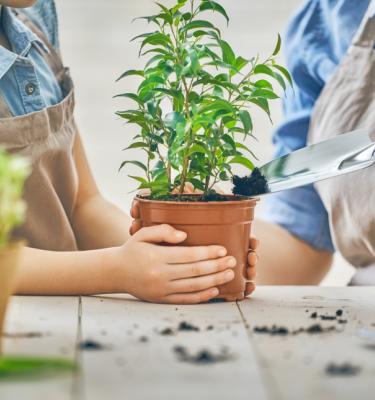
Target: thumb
{"type": "Point", "coordinates": [160, 234]}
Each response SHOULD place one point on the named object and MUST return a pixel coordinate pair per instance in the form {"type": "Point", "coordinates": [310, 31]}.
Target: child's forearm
{"type": "Point", "coordinates": [66, 273]}
{"type": "Point", "coordinates": [99, 224]}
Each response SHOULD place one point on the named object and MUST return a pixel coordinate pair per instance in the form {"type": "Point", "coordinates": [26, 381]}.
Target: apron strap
{"type": "Point", "coordinates": [365, 36]}
{"type": "Point", "coordinates": [4, 109]}
{"type": "Point", "coordinates": [53, 57]}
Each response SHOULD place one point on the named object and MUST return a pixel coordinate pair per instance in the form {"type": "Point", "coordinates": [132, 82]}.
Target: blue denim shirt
{"type": "Point", "coordinates": [27, 83]}
{"type": "Point", "coordinates": [317, 38]}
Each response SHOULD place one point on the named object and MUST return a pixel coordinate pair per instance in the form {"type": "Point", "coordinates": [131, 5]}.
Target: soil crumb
{"type": "Point", "coordinates": [167, 332]}
{"type": "Point", "coordinates": [217, 300]}
{"type": "Point", "coordinates": [143, 339]}
{"type": "Point", "coordinates": [325, 317]}
{"type": "Point", "coordinates": [210, 328]}
{"type": "Point", "coordinates": [252, 185]}
{"type": "Point", "coordinates": [23, 335]}
{"type": "Point", "coordinates": [284, 331]}
{"type": "Point", "coordinates": [90, 345]}
{"type": "Point", "coordinates": [187, 326]}
{"type": "Point", "coordinates": [339, 312]}
{"type": "Point", "coordinates": [273, 330]}
{"type": "Point", "coordinates": [345, 369]}
{"type": "Point", "coordinates": [202, 357]}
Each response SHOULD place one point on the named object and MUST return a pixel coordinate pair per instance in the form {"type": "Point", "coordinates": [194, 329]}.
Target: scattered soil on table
{"type": "Point", "coordinates": [23, 335]}
{"type": "Point", "coordinates": [275, 330]}
{"type": "Point", "coordinates": [91, 345]}
{"type": "Point", "coordinates": [325, 317]}
{"type": "Point", "coordinates": [345, 369]}
{"type": "Point", "coordinates": [143, 339]}
{"type": "Point", "coordinates": [187, 326]}
{"type": "Point", "coordinates": [210, 328]}
{"type": "Point", "coordinates": [251, 185]}
{"type": "Point", "coordinates": [202, 357]}
{"type": "Point", "coordinates": [217, 300]}
{"type": "Point", "coordinates": [167, 332]}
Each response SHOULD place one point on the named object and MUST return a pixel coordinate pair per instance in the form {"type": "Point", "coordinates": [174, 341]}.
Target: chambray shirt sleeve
{"type": "Point", "coordinates": [301, 211]}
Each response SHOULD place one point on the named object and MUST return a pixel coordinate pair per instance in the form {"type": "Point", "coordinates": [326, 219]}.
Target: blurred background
{"type": "Point", "coordinates": [95, 43]}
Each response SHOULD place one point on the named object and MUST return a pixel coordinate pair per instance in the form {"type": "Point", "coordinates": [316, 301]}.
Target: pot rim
{"type": "Point", "coordinates": [252, 200]}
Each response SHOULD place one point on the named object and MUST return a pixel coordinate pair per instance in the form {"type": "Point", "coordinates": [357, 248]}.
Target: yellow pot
{"type": "Point", "coordinates": [9, 257]}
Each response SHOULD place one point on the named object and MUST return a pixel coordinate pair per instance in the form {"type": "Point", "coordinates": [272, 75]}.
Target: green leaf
{"type": "Point", "coordinates": [228, 54]}
{"type": "Point", "coordinates": [156, 39]}
{"type": "Point", "coordinates": [172, 119]}
{"type": "Point", "coordinates": [242, 161]}
{"type": "Point", "coordinates": [136, 145]}
{"type": "Point", "coordinates": [265, 93]}
{"type": "Point", "coordinates": [285, 72]}
{"type": "Point", "coordinates": [131, 73]}
{"type": "Point", "coordinates": [197, 24]}
{"type": "Point", "coordinates": [214, 6]}
{"type": "Point", "coordinates": [278, 46]}
{"type": "Point", "coordinates": [246, 120]}
{"type": "Point", "coordinates": [136, 163]}
{"type": "Point", "coordinates": [132, 96]}
{"type": "Point", "coordinates": [262, 103]}
{"type": "Point", "coordinates": [197, 148]}
{"type": "Point", "coordinates": [262, 83]}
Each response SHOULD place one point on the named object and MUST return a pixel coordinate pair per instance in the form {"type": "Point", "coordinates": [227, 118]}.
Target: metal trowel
{"type": "Point", "coordinates": [345, 153]}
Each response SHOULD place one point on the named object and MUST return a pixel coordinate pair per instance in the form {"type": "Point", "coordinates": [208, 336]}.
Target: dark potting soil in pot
{"type": "Point", "coordinates": [251, 185]}
{"type": "Point", "coordinates": [194, 198]}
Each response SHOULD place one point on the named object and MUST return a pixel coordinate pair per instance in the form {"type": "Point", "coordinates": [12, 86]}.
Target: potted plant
{"type": "Point", "coordinates": [13, 172]}
{"type": "Point", "coordinates": [192, 110]}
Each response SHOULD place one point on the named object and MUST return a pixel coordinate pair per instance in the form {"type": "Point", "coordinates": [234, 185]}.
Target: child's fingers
{"type": "Point", "coordinates": [201, 283]}
{"type": "Point", "coordinates": [201, 268]}
{"type": "Point", "coordinates": [252, 258]}
{"type": "Point", "coordinates": [185, 255]}
{"type": "Point", "coordinates": [134, 210]}
{"type": "Point", "coordinates": [254, 244]}
{"type": "Point", "coordinates": [192, 298]}
{"type": "Point", "coordinates": [251, 273]}
{"type": "Point", "coordinates": [250, 287]}
{"type": "Point", "coordinates": [135, 226]}
{"type": "Point", "coordinates": [159, 234]}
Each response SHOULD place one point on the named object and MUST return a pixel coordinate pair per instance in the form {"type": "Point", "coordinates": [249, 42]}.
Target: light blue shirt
{"type": "Point", "coordinates": [27, 83]}
{"type": "Point", "coordinates": [317, 38]}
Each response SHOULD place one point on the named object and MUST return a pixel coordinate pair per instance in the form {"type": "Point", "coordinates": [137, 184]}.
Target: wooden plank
{"type": "Point", "coordinates": [295, 365]}
{"type": "Point", "coordinates": [133, 369]}
{"type": "Point", "coordinates": [41, 326]}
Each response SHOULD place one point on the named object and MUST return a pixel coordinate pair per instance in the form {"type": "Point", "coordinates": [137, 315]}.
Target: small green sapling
{"type": "Point", "coordinates": [13, 172]}
{"type": "Point", "coordinates": [193, 104]}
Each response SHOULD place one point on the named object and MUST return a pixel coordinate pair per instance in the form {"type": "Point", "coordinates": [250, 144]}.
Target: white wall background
{"type": "Point", "coordinates": [95, 38]}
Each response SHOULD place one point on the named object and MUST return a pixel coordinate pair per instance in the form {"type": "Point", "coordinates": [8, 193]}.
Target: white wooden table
{"type": "Point", "coordinates": [137, 362]}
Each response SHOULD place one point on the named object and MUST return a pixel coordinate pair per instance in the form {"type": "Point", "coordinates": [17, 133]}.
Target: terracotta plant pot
{"type": "Point", "coordinates": [226, 223]}
{"type": "Point", "coordinates": [9, 257]}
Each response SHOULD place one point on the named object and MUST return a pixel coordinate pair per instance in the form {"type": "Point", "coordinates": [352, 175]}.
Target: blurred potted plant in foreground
{"type": "Point", "coordinates": [13, 173]}
{"type": "Point", "coordinates": [192, 110]}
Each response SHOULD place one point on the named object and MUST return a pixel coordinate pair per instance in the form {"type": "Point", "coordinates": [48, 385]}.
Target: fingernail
{"type": "Point", "coordinates": [229, 275]}
{"type": "Point", "coordinates": [180, 234]}
{"type": "Point", "coordinates": [215, 292]}
{"type": "Point", "coordinates": [222, 252]}
{"type": "Point", "coordinates": [231, 262]}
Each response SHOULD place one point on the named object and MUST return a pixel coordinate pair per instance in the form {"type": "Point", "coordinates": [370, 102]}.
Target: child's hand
{"type": "Point", "coordinates": [251, 269]}
{"type": "Point", "coordinates": [172, 274]}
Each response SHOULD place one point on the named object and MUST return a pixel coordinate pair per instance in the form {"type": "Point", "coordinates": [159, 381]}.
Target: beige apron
{"type": "Point", "coordinates": [347, 102]}
{"type": "Point", "coordinates": [46, 137]}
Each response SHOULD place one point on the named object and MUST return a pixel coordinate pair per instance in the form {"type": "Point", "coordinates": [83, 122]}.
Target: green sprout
{"type": "Point", "coordinates": [13, 173]}
{"type": "Point", "coordinates": [192, 107]}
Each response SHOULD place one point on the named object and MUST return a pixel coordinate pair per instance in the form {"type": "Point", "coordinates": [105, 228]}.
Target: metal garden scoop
{"type": "Point", "coordinates": [345, 153]}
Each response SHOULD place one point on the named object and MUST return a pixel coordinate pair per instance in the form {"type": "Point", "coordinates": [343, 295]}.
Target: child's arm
{"type": "Point", "coordinates": [139, 267]}
{"type": "Point", "coordinates": [96, 222]}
